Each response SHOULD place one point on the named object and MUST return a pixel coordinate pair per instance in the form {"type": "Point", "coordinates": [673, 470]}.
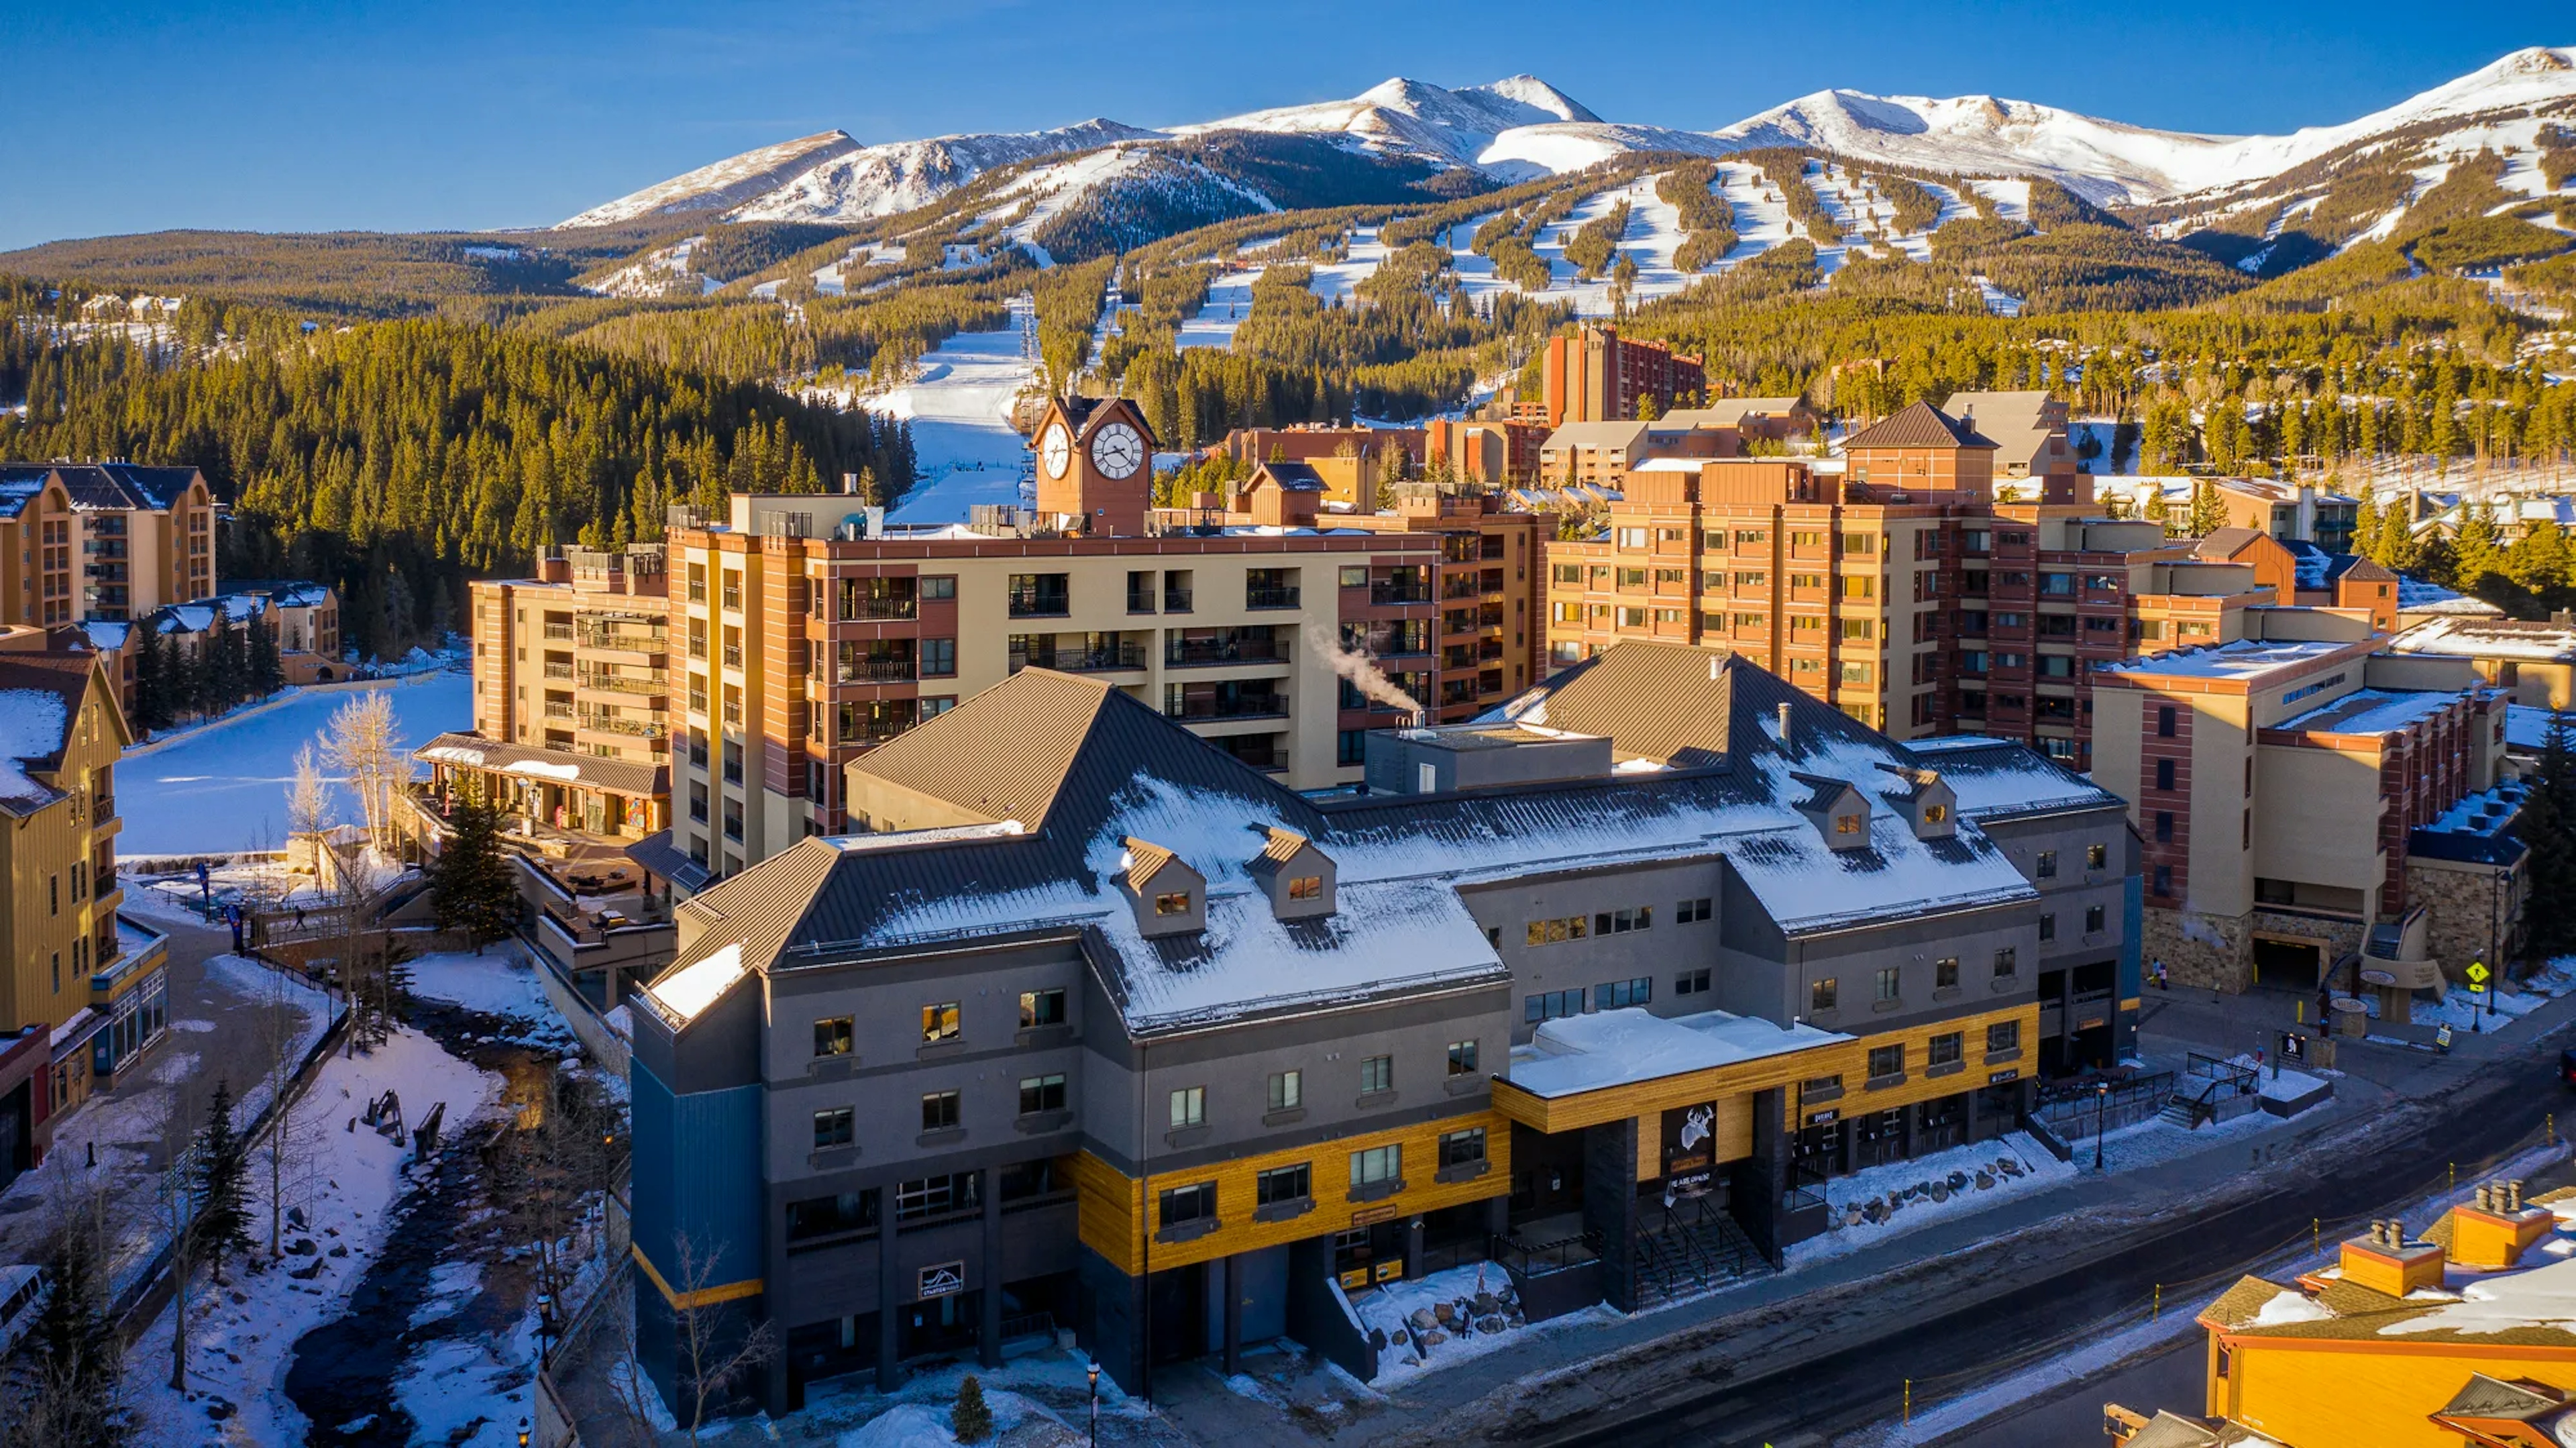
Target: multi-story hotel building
{"type": "Point", "coordinates": [1596, 375]}
{"type": "Point", "coordinates": [90, 988]}
{"type": "Point", "coordinates": [1642, 963]}
{"type": "Point", "coordinates": [2305, 798]}
{"type": "Point", "coordinates": [109, 541]}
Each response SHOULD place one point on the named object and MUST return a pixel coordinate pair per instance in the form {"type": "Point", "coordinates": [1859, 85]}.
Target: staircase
{"type": "Point", "coordinates": [1688, 1248]}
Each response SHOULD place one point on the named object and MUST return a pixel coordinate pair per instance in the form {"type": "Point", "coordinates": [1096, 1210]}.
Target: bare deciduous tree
{"type": "Point", "coordinates": [364, 742]}
{"type": "Point", "coordinates": [712, 1360]}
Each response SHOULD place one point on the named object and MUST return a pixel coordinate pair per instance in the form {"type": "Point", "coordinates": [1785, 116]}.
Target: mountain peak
{"type": "Point", "coordinates": [1531, 91]}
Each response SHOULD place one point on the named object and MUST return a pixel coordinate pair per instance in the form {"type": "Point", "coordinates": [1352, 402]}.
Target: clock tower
{"type": "Point", "coordinates": [1095, 465]}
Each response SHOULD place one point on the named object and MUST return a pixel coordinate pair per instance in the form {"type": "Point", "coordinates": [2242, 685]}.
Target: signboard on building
{"type": "Point", "coordinates": [1371, 1216]}
{"type": "Point", "coordinates": [1997, 1078]}
{"type": "Point", "coordinates": [2294, 1047]}
{"type": "Point", "coordinates": [944, 1279]}
{"type": "Point", "coordinates": [1823, 1118]}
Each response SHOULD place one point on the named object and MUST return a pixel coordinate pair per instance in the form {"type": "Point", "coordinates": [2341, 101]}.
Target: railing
{"type": "Point", "coordinates": [1074, 661]}
{"type": "Point", "coordinates": [1182, 653]}
{"type": "Point", "coordinates": [1028, 1324]}
{"type": "Point", "coordinates": [625, 640]}
{"type": "Point", "coordinates": [1274, 596]}
{"type": "Point", "coordinates": [1248, 706]}
{"type": "Point", "coordinates": [558, 671]}
{"type": "Point", "coordinates": [873, 671]}
{"type": "Point", "coordinates": [1176, 600]}
{"type": "Point", "coordinates": [561, 632]}
{"type": "Point", "coordinates": [1539, 1259]}
{"type": "Point", "coordinates": [2074, 1104]}
{"type": "Point", "coordinates": [870, 610]}
{"type": "Point", "coordinates": [617, 684]}
{"type": "Point", "coordinates": [558, 711]}
{"type": "Point", "coordinates": [103, 809]}
{"type": "Point", "coordinates": [1389, 592]}
{"type": "Point", "coordinates": [633, 729]}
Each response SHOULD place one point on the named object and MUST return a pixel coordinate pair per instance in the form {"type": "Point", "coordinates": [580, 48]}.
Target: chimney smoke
{"type": "Point", "coordinates": [1361, 670]}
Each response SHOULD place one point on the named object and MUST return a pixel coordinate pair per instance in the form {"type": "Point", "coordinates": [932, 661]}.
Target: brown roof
{"type": "Point", "coordinates": [1044, 716]}
{"type": "Point", "coordinates": [1919, 426]}
{"type": "Point", "coordinates": [67, 677]}
{"type": "Point", "coordinates": [1293, 477]}
{"type": "Point", "coordinates": [1681, 705]}
{"type": "Point", "coordinates": [1145, 860]}
{"type": "Point", "coordinates": [2223, 543]}
{"type": "Point", "coordinates": [757, 908]}
{"type": "Point", "coordinates": [1278, 847]}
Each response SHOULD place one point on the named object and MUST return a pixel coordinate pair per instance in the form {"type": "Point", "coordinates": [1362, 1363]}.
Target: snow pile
{"type": "Point", "coordinates": [2289, 1306]}
{"type": "Point", "coordinates": [2463, 1011]}
{"type": "Point", "coordinates": [500, 983]}
{"type": "Point", "coordinates": [697, 986]}
{"type": "Point", "coordinates": [1898, 1197]}
{"type": "Point", "coordinates": [1399, 1309]}
{"type": "Point", "coordinates": [2544, 1297]}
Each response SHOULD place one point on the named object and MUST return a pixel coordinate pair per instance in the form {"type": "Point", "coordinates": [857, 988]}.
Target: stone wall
{"type": "Point", "coordinates": [2464, 917]}
{"type": "Point", "coordinates": [2210, 952]}
{"type": "Point", "coordinates": [2343, 938]}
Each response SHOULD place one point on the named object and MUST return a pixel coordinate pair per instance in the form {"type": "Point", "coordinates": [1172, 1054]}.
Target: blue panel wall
{"type": "Point", "coordinates": [697, 1177]}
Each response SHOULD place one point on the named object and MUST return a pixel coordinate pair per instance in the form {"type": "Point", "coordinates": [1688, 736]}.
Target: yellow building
{"type": "Point", "coordinates": [2457, 1337]}
{"type": "Point", "coordinates": [70, 972]}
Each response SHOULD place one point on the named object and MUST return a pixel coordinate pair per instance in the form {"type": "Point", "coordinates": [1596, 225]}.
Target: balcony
{"type": "Point", "coordinates": [1176, 600]}
{"type": "Point", "coordinates": [558, 671]}
{"type": "Point", "coordinates": [1276, 595]}
{"type": "Point", "coordinates": [558, 711]}
{"type": "Point", "coordinates": [624, 728]}
{"type": "Point", "coordinates": [1263, 648]}
{"type": "Point", "coordinates": [619, 684]}
{"type": "Point", "coordinates": [874, 671]}
{"type": "Point", "coordinates": [559, 632]}
{"type": "Point", "coordinates": [1233, 706]}
{"type": "Point", "coordinates": [1390, 591]}
{"type": "Point", "coordinates": [1127, 655]}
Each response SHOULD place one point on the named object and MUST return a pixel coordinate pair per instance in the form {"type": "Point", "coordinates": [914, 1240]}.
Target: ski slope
{"type": "Point", "coordinates": [965, 450]}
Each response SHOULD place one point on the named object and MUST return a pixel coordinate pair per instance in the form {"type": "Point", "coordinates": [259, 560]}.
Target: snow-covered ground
{"type": "Point", "coordinates": [2012, 1165]}
{"type": "Point", "coordinates": [1390, 1309]}
{"type": "Point", "coordinates": [239, 1350]}
{"type": "Point", "coordinates": [964, 447]}
{"type": "Point", "coordinates": [1229, 301]}
{"type": "Point", "coordinates": [1334, 281]}
{"type": "Point", "coordinates": [223, 788]}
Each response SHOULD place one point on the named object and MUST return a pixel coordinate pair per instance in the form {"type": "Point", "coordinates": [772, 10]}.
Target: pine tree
{"type": "Point", "coordinates": [2547, 825]}
{"type": "Point", "coordinates": [2479, 553]}
{"type": "Point", "coordinates": [151, 677]}
{"type": "Point", "coordinates": [470, 884]}
{"type": "Point", "coordinates": [221, 1184]}
{"type": "Point", "coordinates": [2366, 530]}
{"type": "Point", "coordinates": [74, 1345]}
{"type": "Point", "coordinates": [267, 670]}
{"type": "Point", "coordinates": [2208, 515]}
{"type": "Point", "coordinates": [971, 1421]}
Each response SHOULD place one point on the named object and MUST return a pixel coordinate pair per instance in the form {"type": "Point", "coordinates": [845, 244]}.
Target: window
{"type": "Point", "coordinates": [2048, 925]}
{"type": "Point", "coordinates": [1859, 586]}
{"type": "Point", "coordinates": [2092, 919]}
{"type": "Point", "coordinates": [939, 1023]}
{"type": "Point", "coordinates": [1551, 932]}
{"type": "Point", "coordinates": [1462, 1058]}
{"type": "Point", "coordinates": [2003, 1036]}
{"type": "Point", "coordinates": [938, 1110]}
{"type": "Point", "coordinates": [1860, 628]}
{"type": "Point", "coordinates": [938, 1196]}
{"type": "Point", "coordinates": [1820, 995]}
{"type": "Point", "coordinates": [2045, 865]}
{"type": "Point", "coordinates": [1847, 824]}
{"type": "Point", "coordinates": [1189, 1107]}
{"type": "Point", "coordinates": [1283, 1184]}
{"type": "Point", "coordinates": [2005, 963]}
{"type": "Point", "coordinates": [1462, 1148]}
{"type": "Point", "coordinates": [938, 657]}
{"type": "Point", "coordinates": [1041, 1008]}
{"type": "Point", "coordinates": [1691, 982]}
{"type": "Point", "coordinates": [1176, 902]}
{"type": "Point", "coordinates": [2164, 826]}
{"type": "Point", "coordinates": [2163, 878]}
{"type": "Point", "coordinates": [2096, 856]}
{"type": "Point", "coordinates": [2164, 774]}
{"type": "Point", "coordinates": [1306, 887]}
{"type": "Point", "coordinates": [1376, 1165]}
{"type": "Point", "coordinates": [831, 1216]}
{"type": "Point", "coordinates": [832, 1037]}
{"type": "Point", "coordinates": [2164, 721]}
{"type": "Point", "coordinates": [939, 588]}
{"type": "Point", "coordinates": [1891, 983]}
{"type": "Point", "coordinates": [1285, 1090]}
{"type": "Point", "coordinates": [1620, 922]}
{"type": "Point", "coordinates": [1377, 1073]}
{"type": "Point", "coordinates": [1617, 994]}
{"type": "Point", "coordinates": [1041, 1093]}
{"type": "Point", "coordinates": [833, 1128]}
{"type": "Point", "coordinates": [1691, 912]}
{"type": "Point", "coordinates": [1039, 595]}
{"type": "Point", "coordinates": [1549, 1005]}
{"type": "Point", "coordinates": [1886, 1061]}
{"type": "Point", "coordinates": [1193, 1203]}
{"type": "Point", "coordinates": [1945, 972]}
{"type": "Point", "coordinates": [1945, 1050]}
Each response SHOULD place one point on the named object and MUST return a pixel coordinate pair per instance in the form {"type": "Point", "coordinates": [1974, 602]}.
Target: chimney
{"type": "Point", "coordinates": [2513, 1195]}
{"type": "Point", "coordinates": [2486, 1197]}
{"type": "Point", "coordinates": [1784, 724]}
{"type": "Point", "coordinates": [849, 482]}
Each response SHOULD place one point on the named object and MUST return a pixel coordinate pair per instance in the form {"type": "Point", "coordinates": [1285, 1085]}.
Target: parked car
{"type": "Point", "coordinates": [22, 1294]}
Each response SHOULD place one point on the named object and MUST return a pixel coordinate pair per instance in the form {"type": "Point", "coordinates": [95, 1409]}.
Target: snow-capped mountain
{"type": "Point", "coordinates": [1522, 126]}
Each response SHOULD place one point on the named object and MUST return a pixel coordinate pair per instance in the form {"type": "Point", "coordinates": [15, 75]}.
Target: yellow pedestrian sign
{"type": "Point", "coordinates": [2478, 973]}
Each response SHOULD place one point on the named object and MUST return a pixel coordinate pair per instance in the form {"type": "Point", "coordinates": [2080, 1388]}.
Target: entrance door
{"type": "Point", "coordinates": [1940, 1125]}
{"type": "Point", "coordinates": [2287, 964]}
{"type": "Point", "coordinates": [1818, 1151]}
{"type": "Point", "coordinates": [1178, 1299]}
{"type": "Point", "coordinates": [1878, 1137]}
{"type": "Point", "coordinates": [941, 1325]}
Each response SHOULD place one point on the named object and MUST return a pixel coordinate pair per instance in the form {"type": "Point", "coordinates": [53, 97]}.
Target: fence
{"type": "Point", "coordinates": [2078, 1108]}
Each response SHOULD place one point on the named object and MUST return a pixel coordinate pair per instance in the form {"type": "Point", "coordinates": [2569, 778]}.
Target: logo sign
{"type": "Point", "coordinates": [1997, 1078]}
{"type": "Point", "coordinates": [1690, 1184]}
{"type": "Point", "coordinates": [944, 1280]}
{"type": "Point", "coordinates": [1370, 1216]}
{"type": "Point", "coordinates": [1822, 1118]}
{"type": "Point", "coordinates": [2377, 977]}
{"type": "Point", "coordinates": [2294, 1047]}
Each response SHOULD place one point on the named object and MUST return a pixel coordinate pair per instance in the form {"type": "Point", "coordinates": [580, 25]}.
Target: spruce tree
{"type": "Point", "coordinates": [221, 1182]}
{"type": "Point", "coordinates": [267, 670]}
{"type": "Point", "coordinates": [972, 1421]}
{"type": "Point", "coordinates": [2547, 825]}
{"type": "Point", "coordinates": [2479, 552]}
{"type": "Point", "coordinates": [151, 682]}
{"type": "Point", "coordinates": [74, 1343]}
{"type": "Point", "coordinates": [471, 885]}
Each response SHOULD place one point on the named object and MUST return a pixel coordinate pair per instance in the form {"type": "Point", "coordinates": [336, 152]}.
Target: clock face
{"type": "Point", "coordinates": [1117, 450]}
{"type": "Point", "coordinates": [1057, 450]}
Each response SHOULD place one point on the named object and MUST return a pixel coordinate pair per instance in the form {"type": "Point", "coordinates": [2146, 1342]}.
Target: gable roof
{"type": "Point", "coordinates": [1594, 435]}
{"type": "Point", "coordinates": [1730, 411]}
{"type": "Point", "coordinates": [1679, 705]}
{"type": "Point", "coordinates": [41, 695]}
{"type": "Point", "coordinates": [1293, 477]}
{"type": "Point", "coordinates": [2226, 543]}
{"type": "Point", "coordinates": [1919, 425]}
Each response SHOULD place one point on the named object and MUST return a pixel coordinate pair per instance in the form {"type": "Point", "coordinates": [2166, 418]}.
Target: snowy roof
{"type": "Point", "coordinates": [2479, 827]}
{"type": "Point", "coordinates": [100, 486]}
{"type": "Point", "coordinates": [2373, 711]}
{"type": "Point", "coordinates": [2526, 640]}
{"type": "Point", "coordinates": [1593, 1052]}
{"type": "Point", "coordinates": [2414, 595]}
{"type": "Point", "coordinates": [1995, 779]}
{"type": "Point", "coordinates": [1066, 772]}
{"type": "Point", "coordinates": [2248, 661]}
{"type": "Point", "coordinates": [2526, 727]}
{"type": "Point", "coordinates": [32, 722]}
{"type": "Point", "coordinates": [617, 776]}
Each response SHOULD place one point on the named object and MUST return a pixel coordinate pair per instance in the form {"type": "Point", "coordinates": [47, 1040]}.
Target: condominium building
{"type": "Point", "coordinates": [2314, 810]}
{"type": "Point", "coordinates": [2290, 511]}
{"type": "Point", "coordinates": [1639, 964]}
{"type": "Point", "coordinates": [2385, 1348]}
{"type": "Point", "coordinates": [93, 986]}
{"type": "Point", "coordinates": [1596, 375]}
{"type": "Point", "coordinates": [82, 541]}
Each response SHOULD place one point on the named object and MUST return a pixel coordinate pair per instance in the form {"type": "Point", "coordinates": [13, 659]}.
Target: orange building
{"type": "Point", "coordinates": [2457, 1337]}
{"type": "Point", "coordinates": [1596, 375]}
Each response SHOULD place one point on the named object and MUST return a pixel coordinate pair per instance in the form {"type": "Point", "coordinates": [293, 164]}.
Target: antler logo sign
{"type": "Point", "coordinates": [1695, 1125]}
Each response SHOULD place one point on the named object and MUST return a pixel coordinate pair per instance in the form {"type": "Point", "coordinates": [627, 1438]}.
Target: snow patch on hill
{"type": "Point", "coordinates": [727, 183]}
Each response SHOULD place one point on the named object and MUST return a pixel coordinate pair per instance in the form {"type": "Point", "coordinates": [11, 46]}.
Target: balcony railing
{"type": "Point", "coordinates": [558, 671]}
{"type": "Point", "coordinates": [874, 671]}
{"type": "Point", "coordinates": [1272, 596]}
{"type": "Point", "coordinates": [561, 632]}
{"type": "Point", "coordinates": [875, 610]}
{"type": "Point", "coordinates": [1243, 706]}
{"type": "Point", "coordinates": [558, 711]}
{"type": "Point", "coordinates": [617, 684]}
{"type": "Point", "coordinates": [1129, 655]}
{"type": "Point", "coordinates": [1185, 653]}
{"type": "Point", "coordinates": [1176, 600]}
{"type": "Point", "coordinates": [632, 728]}
{"type": "Point", "coordinates": [1393, 591]}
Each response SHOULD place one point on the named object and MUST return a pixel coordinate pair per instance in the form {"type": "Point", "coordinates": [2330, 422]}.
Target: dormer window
{"type": "Point", "coordinates": [1934, 814]}
{"type": "Point", "coordinates": [1176, 902]}
{"type": "Point", "coordinates": [1847, 824]}
{"type": "Point", "coordinates": [1306, 887]}
{"type": "Point", "coordinates": [1296, 875]}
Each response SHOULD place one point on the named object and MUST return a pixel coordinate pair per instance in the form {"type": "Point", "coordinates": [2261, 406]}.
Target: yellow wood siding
{"type": "Point", "coordinates": [2315, 1392]}
{"type": "Point", "coordinates": [1111, 1204]}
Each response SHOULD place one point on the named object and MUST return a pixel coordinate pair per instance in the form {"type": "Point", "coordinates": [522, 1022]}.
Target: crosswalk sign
{"type": "Point", "coordinates": [2478, 971]}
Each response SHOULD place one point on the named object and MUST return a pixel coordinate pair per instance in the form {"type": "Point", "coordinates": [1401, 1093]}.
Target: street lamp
{"type": "Point", "coordinates": [523, 1433]}
{"type": "Point", "coordinates": [2101, 1111]}
{"type": "Point", "coordinates": [1095, 1405]}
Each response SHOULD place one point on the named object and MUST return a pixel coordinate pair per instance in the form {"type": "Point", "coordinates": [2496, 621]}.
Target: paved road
{"type": "Point", "coordinates": [2492, 1106]}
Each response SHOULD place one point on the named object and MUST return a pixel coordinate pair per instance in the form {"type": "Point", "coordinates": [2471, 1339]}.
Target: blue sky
{"type": "Point", "coordinates": [466, 114]}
